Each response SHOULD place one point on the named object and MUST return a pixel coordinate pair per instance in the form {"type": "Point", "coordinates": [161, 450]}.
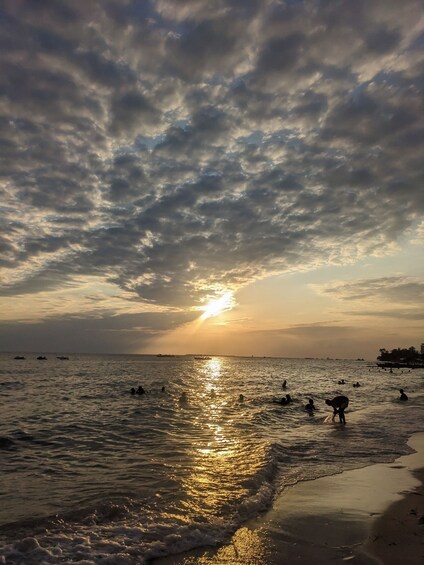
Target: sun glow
{"type": "Point", "coordinates": [218, 306]}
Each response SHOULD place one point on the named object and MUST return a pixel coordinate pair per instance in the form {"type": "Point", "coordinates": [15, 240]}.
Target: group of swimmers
{"type": "Point", "coordinates": [338, 403]}
{"type": "Point", "coordinates": [285, 400]}
{"type": "Point", "coordinates": [140, 390]}
{"type": "Point", "coordinates": [183, 398]}
{"type": "Point", "coordinates": [288, 399]}
{"type": "Point", "coordinates": [343, 382]}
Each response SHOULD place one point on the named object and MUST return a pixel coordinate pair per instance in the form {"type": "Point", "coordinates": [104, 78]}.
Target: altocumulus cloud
{"type": "Point", "coordinates": [173, 148]}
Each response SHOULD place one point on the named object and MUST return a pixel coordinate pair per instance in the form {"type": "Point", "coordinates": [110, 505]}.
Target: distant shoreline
{"type": "Point", "coordinates": [185, 355]}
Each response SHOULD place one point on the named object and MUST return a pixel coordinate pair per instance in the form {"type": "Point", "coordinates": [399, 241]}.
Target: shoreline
{"type": "Point", "coordinates": [370, 515]}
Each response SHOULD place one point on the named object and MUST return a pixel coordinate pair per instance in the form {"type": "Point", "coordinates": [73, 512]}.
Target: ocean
{"type": "Point", "coordinates": [93, 474]}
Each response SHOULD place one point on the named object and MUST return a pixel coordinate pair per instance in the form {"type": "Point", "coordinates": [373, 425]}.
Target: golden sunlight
{"type": "Point", "coordinates": [218, 305]}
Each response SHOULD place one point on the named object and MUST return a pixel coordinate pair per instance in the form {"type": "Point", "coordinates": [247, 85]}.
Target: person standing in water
{"type": "Point", "coordinates": [339, 405]}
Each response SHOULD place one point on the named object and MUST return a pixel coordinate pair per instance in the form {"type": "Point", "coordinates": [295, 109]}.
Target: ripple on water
{"type": "Point", "coordinates": [184, 474]}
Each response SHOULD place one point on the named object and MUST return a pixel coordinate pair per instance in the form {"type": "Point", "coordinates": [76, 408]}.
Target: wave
{"type": "Point", "coordinates": [126, 530]}
{"type": "Point", "coordinates": [136, 480]}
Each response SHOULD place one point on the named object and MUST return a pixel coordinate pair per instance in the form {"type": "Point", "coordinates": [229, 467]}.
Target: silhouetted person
{"type": "Point", "coordinates": [342, 382]}
{"type": "Point", "coordinates": [310, 407]}
{"type": "Point", "coordinates": [133, 390]}
{"type": "Point", "coordinates": [284, 385]}
{"type": "Point", "coordinates": [356, 384]}
{"type": "Point", "coordinates": [241, 398]}
{"type": "Point", "coordinates": [283, 401]}
{"type": "Point", "coordinates": [141, 390]}
{"type": "Point", "coordinates": [163, 389]}
{"type": "Point", "coordinates": [183, 398]}
{"type": "Point", "coordinates": [403, 396]}
{"type": "Point", "coordinates": [339, 405]}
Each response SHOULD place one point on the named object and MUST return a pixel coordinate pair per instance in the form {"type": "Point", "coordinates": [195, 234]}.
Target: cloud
{"type": "Point", "coordinates": [398, 314]}
{"type": "Point", "coordinates": [132, 112]}
{"type": "Point", "coordinates": [172, 149]}
{"type": "Point", "coordinates": [316, 331]}
{"type": "Point", "coordinates": [396, 289]}
{"type": "Point", "coordinates": [90, 333]}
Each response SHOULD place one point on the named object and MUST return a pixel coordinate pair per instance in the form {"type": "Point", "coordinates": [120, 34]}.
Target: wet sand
{"type": "Point", "coordinates": [364, 516]}
{"type": "Point", "coordinates": [398, 535]}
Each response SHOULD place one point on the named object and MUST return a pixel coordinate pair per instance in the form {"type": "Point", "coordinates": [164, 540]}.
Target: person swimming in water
{"type": "Point", "coordinates": [132, 390]}
{"type": "Point", "coordinates": [310, 407]}
{"type": "Point", "coordinates": [284, 385]}
{"type": "Point", "coordinates": [356, 384]}
{"type": "Point", "coordinates": [285, 400]}
{"type": "Point", "coordinates": [140, 390]}
{"type": "Point", "coordinates": [403, 396]}
{"type": "Point", "coordinates": [339, 405]}
{"type": "Point", "coordinates": [241, 398]}
{"type": "Point", "coordinates": [183, 398]}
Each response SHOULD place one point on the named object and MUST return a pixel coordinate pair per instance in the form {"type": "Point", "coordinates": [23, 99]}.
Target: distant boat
{"type": "Point", "coordinates": [63, 358]}
{"type": "Point", "coordinates": [164, 355]}
{"type": "Point", "coordinates": [41, 358]}
{"type": "Point", "coordinates": [203, 358]}
{"type": "Point", "coordinates": [19, 357]}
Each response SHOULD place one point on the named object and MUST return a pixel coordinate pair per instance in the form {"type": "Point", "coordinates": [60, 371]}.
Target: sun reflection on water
{"type": "Point", "coordinates": [214, 368]}
{"type": "Point", "coordinates": [247, 547]}
{"type": "Point", "coordinates": [216, 452]}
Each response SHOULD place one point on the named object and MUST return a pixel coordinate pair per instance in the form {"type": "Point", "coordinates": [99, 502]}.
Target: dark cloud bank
{"type": "Point", "coordinates": [171, 148]}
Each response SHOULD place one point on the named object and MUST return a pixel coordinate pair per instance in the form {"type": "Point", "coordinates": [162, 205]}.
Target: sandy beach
{"type": "Point", "coordinates": [364, 516]}
{"type": "Point", "coordinates": [398, 535]}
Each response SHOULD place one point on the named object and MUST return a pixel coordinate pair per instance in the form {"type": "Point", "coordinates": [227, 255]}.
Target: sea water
{"type": "Point", "coordinates": [93, 474]}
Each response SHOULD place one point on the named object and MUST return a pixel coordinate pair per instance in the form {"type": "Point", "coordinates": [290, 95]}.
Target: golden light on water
{"type": "Point", "coordinates": [214, 368]}
{"type": "Point", "coordinates": [247, 547]}
{"type": "Point", "coordinates": [215, 454]}
{"type": "Point", "coordinates": [218, 306]}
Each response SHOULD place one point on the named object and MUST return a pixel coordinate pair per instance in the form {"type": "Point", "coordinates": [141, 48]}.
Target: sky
{"type": "Point", "coordinates": [240, 177]}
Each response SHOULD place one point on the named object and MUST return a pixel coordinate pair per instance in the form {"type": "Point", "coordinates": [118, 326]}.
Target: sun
{"type": "Point", "coordinates": [218, 306]}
